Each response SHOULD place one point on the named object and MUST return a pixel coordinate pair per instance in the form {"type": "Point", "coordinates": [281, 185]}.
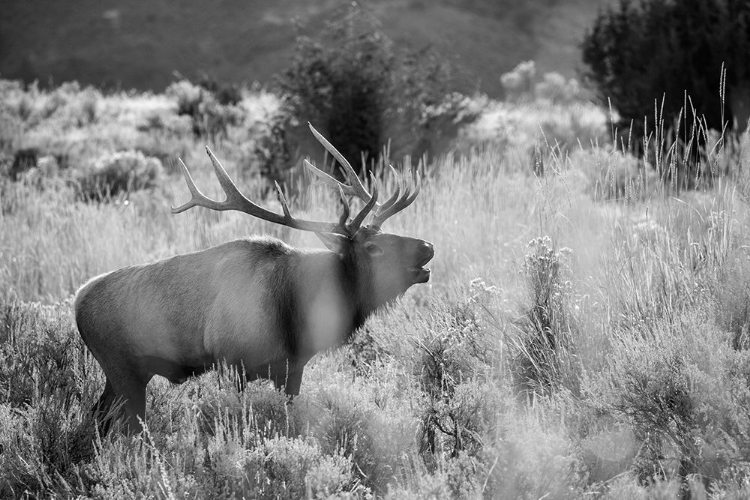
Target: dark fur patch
{"type": "Point", "coordinates": [286, 291]}
{"type": "Point", "coordinates": [356, 282]}
{"type": "Point", "coordinates": [284, 301]}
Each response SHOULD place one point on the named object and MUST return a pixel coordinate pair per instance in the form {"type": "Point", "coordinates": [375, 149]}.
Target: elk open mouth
{"type": "Point", "coordinates": [420, 273]}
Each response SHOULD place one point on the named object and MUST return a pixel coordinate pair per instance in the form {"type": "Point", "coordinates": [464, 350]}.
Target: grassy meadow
{"type": "Point", "coordinates": [584, 334]}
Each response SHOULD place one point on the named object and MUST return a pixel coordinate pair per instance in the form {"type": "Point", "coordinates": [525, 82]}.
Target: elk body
{"type": "Point", "coordinates": [259, 305]}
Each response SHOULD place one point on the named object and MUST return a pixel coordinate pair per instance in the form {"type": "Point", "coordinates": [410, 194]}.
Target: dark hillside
{"type": "Point", "coordinates": [135, 44]}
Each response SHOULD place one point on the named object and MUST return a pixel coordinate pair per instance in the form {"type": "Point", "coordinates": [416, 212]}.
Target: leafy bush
{"type": "Point", "coordinates": [343, 86]}
{"type": "Point", "coordinates": [258, 409]}
{"type": "Point", "coordinates": [459, 400]}
{"type": "Point", "coordinates": [211, 114]}
{"type": "Point", "coordinates": [272, 151]}
{"type": "Point", "coordinates": [347, 423]}
{"type": "Point", "coordinates": [531, 460]}
{"type": "Point", "coordinates": [519, 82]}
{"type": "Point", "coordinates": [44, 399]}
{"type": "Point", "coordinates": [290, 468]}
{"type": "Point", "coordinates": [684, 391]}
{"type": "Point", "coordinates": [541, 122]}
{"type": "Point", "coordinates": [556, 88]}
{"type": "Point", "coordinates": [119, 172]}
{"type": "Point", "coordinates": [24, 159]}
{"type": "Point", "coordinates": [360, 92]}
{"type": "Point", "coordinates": [68, 105]}
{"type": "Point", "coordinates": [227, 94]}
{"type": "Point", "coordinates": [639, 53]}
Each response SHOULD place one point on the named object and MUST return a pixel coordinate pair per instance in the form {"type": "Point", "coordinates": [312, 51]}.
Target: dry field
{"type": "Point", "coordinates": [584, 333]}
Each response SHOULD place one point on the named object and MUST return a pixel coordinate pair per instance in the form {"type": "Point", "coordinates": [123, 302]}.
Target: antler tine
{"type": "Point", "coordinates": [237, 201]}
{"type": "Point", "coordinates": [196, 197]}
{"type": "Point", "coordinates": [327, 179]}
{"type": "Point", "coordinates": [357, 188]}
{"type": "Point", "coordinates": [403, 202]}
{"type": "Point", "coordinates": [357, 221]}
{"type": "Point", "coordinates": [347, 190]}
{"type": "Point", "coordinates": [345, 208]}
{"type": "Point", "coordinates": [394, 197]}
{"type": "Point", "coordinates": [402, 198]}
{"type": "Point", "coordinates": [282, 200]}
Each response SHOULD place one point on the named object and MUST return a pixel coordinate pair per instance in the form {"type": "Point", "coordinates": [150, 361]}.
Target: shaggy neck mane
{"type": "Point", "coordinates": [357, 279]}
{"type": "Point", "coordinates": [353, 277]}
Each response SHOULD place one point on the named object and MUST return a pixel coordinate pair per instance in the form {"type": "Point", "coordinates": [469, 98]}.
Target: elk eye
{"type": "Point", "coordinates": [373, 250]}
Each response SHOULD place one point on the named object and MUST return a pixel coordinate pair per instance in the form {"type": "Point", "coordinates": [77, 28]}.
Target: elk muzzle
{"type": "Point", "coordinates": [423, 255]}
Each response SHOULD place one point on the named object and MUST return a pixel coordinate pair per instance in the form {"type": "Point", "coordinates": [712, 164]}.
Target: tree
{"type": "Point", "coordinates": [360, 90]}
{"type": "Point", "coordinates": [665, 50]}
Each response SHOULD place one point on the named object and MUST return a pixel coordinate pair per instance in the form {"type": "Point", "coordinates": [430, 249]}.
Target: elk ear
{"type": "Point", "coordinates": [336, 243]}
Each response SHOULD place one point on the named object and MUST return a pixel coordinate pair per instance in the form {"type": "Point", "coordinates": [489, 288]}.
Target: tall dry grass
{"type": "Point", "coordinates": [606, 358]}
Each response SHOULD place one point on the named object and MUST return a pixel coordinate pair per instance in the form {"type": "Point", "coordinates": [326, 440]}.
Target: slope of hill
{"type": "Point", "coordinates": [132, 44]}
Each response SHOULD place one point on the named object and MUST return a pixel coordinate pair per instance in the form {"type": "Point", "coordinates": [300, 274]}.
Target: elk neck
{"type": "Point", "coordinates": [317, 301]}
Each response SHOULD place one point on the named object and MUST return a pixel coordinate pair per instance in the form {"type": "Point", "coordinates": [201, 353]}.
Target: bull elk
{"type": "Point", "coordinates": [257, 304]}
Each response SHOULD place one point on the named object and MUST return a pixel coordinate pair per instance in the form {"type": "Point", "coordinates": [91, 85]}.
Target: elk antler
{"type": "Point", "coordinates": [382, 211]}
{"type": "Point", "coordinates": [237, 201]}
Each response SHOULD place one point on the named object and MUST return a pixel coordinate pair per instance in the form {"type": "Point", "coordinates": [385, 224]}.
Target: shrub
{"type": "Point", "coordinates": [272, 151]}
{"type": "Point", "coordinates": [259, 410]}
{"type": "Point", "coordinates": [45, 396]}
{"type": "Point", "coordinates": [543, 120]}
{"type": "Point", "coordinates": [24, 159]}
{"type": "Point", "coordinates": [359, 91]}
{"type": "Point", "coordinates": [458, 406]}
{"type": "Point", "coordinates": [546, 329]}
{"type": "Point", "coordinates": [532, 460]}
{"type": "Point", "coordinates": [32, 163]}
{"type": "Point", "coordinates": [294, 468]}
{"type": "Point", "coordinates": [556, 88]}
{"type": "Point", "coordinates": [655, 50]}
{"type": "Point", "coordinates": [345, 424]}
{"type": "Point", "coordinates": [227, 94]}
{"type": "Point", "coordinates": [518, 83]}
{"type": "Point", "coordinates": [87, 105]}
{"type": "Point", "coordinates": [119, 172]}
{"type": "Point", "coordinates": [211, 114]}
{"type": "Point", "coordinates": [684, 391]}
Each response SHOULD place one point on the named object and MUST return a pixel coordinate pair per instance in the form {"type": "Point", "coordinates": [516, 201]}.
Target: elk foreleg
{"type": "Point", "coordinates": [135, 407]}
{"type": "Point", "coordinates": [290, 377]}
{"type": "Point", "coordinates": [129, 390]}
{"type": "Point", "coordinates": [103, 410]}
{"type": "Point", "coordinates": [293, 383]}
